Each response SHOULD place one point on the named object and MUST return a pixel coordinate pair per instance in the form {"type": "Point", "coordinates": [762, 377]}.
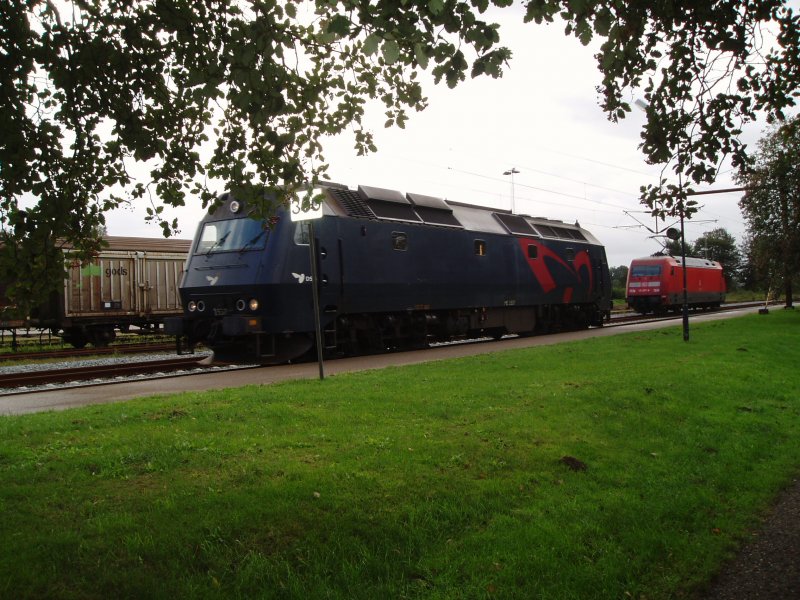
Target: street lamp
{"type": "Point", "coordinates": [512, 171]}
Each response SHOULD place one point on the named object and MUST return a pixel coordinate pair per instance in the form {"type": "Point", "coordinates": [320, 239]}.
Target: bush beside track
{"type": "Point", "coordinates": [624, 466]}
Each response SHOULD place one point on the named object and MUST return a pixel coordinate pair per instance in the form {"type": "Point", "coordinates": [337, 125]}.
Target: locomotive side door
{"type": "Point", "coordinates": [328, 273]}
{"type": "Point", "coordinates": [330, 257]}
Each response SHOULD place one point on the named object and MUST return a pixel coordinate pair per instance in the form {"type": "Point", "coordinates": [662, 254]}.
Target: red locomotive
{"type": "Point", "coordinates": [655, 284]}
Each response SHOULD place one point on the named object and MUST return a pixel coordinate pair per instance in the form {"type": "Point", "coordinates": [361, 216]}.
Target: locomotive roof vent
{"type": "Point", "coordinates": [382, 194]}
{"type": "Point", "coordinates": [388, 204]}
{"type": "Point", "coordinates": [353, 203]}
{"type": "Point", "coordinates": [519, 225]}
{"type": "Point", "coordinates": [567, 234]}
{"type": "Point", "coordinates": [546, 231]}
{"type": "Point", "coordinates": [429, 202]}
{"type": "Point", "coordinates": [433, 210]}
{"type": "Point", "coordinates": [515, 224]}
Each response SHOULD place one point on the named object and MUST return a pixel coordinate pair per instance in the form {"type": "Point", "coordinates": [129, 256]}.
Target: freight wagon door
{"type": "Point", "coordinates": [101, 289]}
{"type": "Point", "coordinates": [158, 277]}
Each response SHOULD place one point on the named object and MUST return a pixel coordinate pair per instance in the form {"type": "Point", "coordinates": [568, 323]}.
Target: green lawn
{"type": "Point", "coordinates": [443, 480]}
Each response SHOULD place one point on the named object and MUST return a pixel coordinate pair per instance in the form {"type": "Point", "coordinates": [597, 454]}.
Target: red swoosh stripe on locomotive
{"type": "Point", "coordinates": [395, 270]}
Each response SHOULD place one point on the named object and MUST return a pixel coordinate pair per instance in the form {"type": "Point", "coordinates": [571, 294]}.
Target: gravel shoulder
{"type": "Point", "coordinates": [768, 566]}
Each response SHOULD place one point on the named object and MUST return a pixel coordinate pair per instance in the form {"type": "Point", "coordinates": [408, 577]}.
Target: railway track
{"type": "Point", "coordinates": [133, 348]}
{"type": "Point", "coordinates": [100, 372]}
{"type": "Point", "coordinates": [630, 318]}
{"type": "Point", "coordinates": [112, 373]}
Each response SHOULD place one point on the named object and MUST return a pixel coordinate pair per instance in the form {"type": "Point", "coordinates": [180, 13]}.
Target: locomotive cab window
{"type": "Point", "coordinates": [399, 241]}
{"type": "Point", "coordinates": [569, 254]}
{"type": "Point", "coordinates": [232, 235]}
{"type": "Point", "coordinates": [646, 271]}
{"type": "Point", "coordinates": [480, 247]}
{"type": "Point", "coordinates": [533, 251]}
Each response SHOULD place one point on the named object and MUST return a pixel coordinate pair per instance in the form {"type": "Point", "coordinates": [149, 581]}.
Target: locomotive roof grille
{"type": "Point", "coordinates": [394, 211]}
{"type": "Point", "coordinates": [565, 233]}
{"type": "Point", "coordinates": [429, 202]}
{"type": "Point", "coordinates": [547, 231]}
{"type": "Point", "coordinates": [370, 193]}
{"type": "Point", "coordinates": [433, 216]}
{"type": "Point", "coordinates": [354, 204]}
{"type": "Point", "coordinates": [516, 224]}
{"type": "Point", "coordinates": [388, 204]}
{"type": "Point", "coordinates": [434, 211]}
{"type": "Point", "coordinates": [379, 203]}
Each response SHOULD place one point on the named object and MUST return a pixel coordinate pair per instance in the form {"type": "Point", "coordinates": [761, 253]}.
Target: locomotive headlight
{"type": "Point", "coordinates": [253, 304]}
{"type": "Point", "coordinates": [192, 306]}
{"type": "Point", "coordinates": [240, 304]}
{"type": "Point", "coordinates": [201, 306]}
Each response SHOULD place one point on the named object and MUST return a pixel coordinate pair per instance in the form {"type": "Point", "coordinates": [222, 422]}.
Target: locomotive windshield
{"type": "Point", "coordinates": [646, 271]}
{"type": "Point", "coordinates": [232, 235]}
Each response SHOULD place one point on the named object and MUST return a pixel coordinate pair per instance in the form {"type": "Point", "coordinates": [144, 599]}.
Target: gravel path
{"type": "Point", "coordinates": [768, 567]}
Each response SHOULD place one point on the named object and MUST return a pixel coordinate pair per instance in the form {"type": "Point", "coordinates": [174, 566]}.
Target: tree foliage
{"type": "Point", "coordinates": [619, 279]}
{"type": "Point", "coordinates": [757, 264]}
{"type": "Point", "coordinates": [92, 87]}
{"type": "Point", "coordinates": [772, 206]}
{"type": "Point", "coordinates": [674, 248]}
{"type": "Point", "coordinates": [719, 245]}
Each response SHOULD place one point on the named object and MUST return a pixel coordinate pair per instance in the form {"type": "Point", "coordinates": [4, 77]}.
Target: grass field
{"type": "Point", "coordinates": [444, 480]}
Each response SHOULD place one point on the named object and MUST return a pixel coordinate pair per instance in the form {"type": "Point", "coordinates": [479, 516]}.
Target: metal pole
{"type": "Point", "coordinates": [685, 292]}
{"type": "Point", "coordinates": [513, 208]}
{"type": "Point", "coordinates": [315, 293]}
{"type": "Point", "coordinates": [511, 172]}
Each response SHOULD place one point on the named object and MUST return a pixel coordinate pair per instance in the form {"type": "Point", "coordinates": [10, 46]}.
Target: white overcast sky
{"type": "Point", "coordinates": [541, 118]}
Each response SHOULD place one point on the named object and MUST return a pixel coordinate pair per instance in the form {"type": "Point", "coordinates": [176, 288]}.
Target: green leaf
{"type": "Point", "coordinates": [420, 52]}
{"type": "Point", "coordinates": [391, 51]}
{"type": "Point", "coordinates": [436, 6]}
{"type": "Point", "coordinates": [584, 32]}
{"type": "Point", "coordinates": [371, 44]}
{"type": "Point", "coordinates": [339, 25]}
{"type": "Point", "coordinates": [602, 23]}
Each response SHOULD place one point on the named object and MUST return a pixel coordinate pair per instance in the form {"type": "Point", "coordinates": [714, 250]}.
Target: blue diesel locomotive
{"type": "Point", "coordinates": [394, 271]}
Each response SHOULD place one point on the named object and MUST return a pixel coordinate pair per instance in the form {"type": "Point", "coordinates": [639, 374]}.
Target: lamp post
{"type": "Point", "coordinates": [512, 171]}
